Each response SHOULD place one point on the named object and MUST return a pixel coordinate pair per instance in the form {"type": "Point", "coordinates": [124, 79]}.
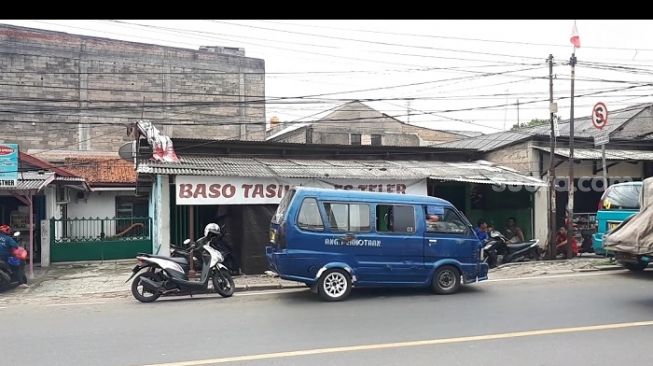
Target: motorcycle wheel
{"type": "Point", "coordinates": [223, 283]}
{"type": "Point", "coordinates": [139, 292]}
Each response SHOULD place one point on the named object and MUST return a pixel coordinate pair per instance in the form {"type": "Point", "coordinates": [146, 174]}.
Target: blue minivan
{"type": "Point", "coordinates": [618, 202]}
{"type": "Point", "coordinates": [333, 240]}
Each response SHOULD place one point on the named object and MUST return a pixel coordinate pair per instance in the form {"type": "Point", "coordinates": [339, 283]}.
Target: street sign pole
{"type": "Point", "coordinates": [600, 120]}
{"type": "Point", "coordinates": [605, 172]}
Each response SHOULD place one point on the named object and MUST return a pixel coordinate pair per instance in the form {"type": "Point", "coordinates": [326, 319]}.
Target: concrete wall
{"type": "Point", "coordinates": [357, 118]}
{"type": "Point", "coordinates": [77, 92]}
{"type": "Point", "coordinates": [518, 157]}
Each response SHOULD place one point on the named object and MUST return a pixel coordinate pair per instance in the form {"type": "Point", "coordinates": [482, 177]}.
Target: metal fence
{"type": "Point", "coordinates": [98, 239]}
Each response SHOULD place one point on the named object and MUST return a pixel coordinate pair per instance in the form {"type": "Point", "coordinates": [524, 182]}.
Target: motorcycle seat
{"type": "Point", "coordinates": [519, 246]}
{"type": "Point", "coordinates": [174, 259]}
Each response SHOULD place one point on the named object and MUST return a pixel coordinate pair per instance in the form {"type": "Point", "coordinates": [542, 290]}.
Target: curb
{"type": "Point", "coordinates": [262, 287]}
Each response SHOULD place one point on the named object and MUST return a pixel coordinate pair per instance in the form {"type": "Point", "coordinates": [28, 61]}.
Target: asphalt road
{"type": "Point", "coordinates": [603, 318]}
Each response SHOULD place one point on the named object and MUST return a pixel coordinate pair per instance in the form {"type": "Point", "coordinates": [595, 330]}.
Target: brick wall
{"type": "Point", "coordinates": [68, 91]}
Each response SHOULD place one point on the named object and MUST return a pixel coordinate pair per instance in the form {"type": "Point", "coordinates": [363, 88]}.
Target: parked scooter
{"type": "Point", "coordinates": [10, 277]}
{"type": "Point", "coordinates": [217, 242]}
{"type": "Point", "coordinates": [498, 250]}
{"type": "Point", "coordinates": [166, 276]}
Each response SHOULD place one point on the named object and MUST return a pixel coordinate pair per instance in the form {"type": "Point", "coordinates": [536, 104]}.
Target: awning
{"type": "Point", "coordinates": [474, 172]}
{"type": "Point", "coordinates": [30, 181]}
{"type": "Point", "coordinates": [610, 154]}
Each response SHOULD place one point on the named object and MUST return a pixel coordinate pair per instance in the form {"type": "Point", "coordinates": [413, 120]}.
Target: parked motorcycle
{"type": "Point", "coordinates": [165, 276]}
{"type": "Point", "coordinates": [218, 243]}
{"type": "Point", "coordinates": [498, 250]}
{"type": "Point", "coordinates": [10, 277]}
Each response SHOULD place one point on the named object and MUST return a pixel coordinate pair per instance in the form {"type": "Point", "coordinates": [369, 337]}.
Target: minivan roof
{"type": "Point", "coordinates": [340, 194]}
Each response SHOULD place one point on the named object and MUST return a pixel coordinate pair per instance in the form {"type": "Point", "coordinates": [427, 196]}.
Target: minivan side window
{"type": "Point", "coordinates": [309, 216]}
{"type": "Point", "coordinates": [352, 217]}
{"type": "Point", "coordinates": [283, 207]}
{"type": "Point", "coordinates": [395, 218]}
{"type": "Point", "coordinates": [439, 220]}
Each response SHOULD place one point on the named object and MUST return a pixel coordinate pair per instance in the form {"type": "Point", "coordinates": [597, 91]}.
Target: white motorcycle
{"type": "Point", "coordinates": [165, 276]}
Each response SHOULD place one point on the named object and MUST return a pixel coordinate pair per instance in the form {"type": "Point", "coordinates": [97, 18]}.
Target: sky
{"type": "Point", "coordinates": [476, 75]}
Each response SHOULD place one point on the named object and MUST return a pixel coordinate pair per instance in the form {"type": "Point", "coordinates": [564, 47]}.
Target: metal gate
{"type": "Point", "coordinates": [99, 239]}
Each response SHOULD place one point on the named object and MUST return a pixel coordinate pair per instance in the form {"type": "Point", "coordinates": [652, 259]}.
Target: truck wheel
{"type": "Point", "coordinates": [334, 285]}
{"type": "Point", "coordinates": [446, 280]}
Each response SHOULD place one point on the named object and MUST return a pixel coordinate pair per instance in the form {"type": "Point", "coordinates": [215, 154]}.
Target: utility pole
{"type": "Point", "coordinates": [570, 185]}
{"type": "Point", "coordinates": [551, 201]}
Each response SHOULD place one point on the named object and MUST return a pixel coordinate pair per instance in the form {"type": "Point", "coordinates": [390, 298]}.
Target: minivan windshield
{"type": "Point", "coordinates": [283, 207]}
{"type": "Point", "coordinates": [622, 197]}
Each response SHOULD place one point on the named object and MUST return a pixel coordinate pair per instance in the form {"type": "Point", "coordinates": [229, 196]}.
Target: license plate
{"type": "Point", "coordinates": [612, 225]}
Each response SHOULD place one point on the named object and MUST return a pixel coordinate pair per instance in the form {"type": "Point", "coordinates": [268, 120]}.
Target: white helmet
{"type": "Point", "coordinates": [212, 228]}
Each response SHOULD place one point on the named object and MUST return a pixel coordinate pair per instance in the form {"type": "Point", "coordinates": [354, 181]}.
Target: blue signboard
{"type": "Point", "coordinates": [8, 165]}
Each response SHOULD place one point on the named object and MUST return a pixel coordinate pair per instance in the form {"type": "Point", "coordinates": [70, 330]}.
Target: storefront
{"type": "Point", "coordinates": [241, 193]}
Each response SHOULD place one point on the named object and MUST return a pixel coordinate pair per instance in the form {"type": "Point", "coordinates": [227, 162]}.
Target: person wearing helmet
{"type": "Point", "coordinates": [7, 247]}
{"type": "Point", "coordinates": [7, 243]}
{"type": "Point", "coordinates": [214, 234]}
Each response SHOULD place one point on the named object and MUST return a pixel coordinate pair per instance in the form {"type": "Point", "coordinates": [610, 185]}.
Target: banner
{"type": "Point", "coordinates": [212, 190]}
{"type": "Point", "coordinates": [8, 165]}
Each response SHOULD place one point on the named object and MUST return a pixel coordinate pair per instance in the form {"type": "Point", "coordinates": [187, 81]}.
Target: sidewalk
{"type": "Point", "coordinates": [107, 279]}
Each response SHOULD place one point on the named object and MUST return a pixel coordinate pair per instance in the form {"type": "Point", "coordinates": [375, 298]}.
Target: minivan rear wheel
{"type": "Point", "coordinates": [446, 280]}
{"type": "Point", "coordinates": [334, 285]}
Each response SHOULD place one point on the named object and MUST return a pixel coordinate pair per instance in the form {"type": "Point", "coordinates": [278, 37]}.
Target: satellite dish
{"type": "Point", "coordinates": [128, 151]}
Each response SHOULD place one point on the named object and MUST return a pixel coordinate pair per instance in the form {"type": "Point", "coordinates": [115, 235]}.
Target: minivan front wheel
{"type": "Point", "coordinates": [334, 284]}
{"type": "Point", "coordinates": [446, 280]}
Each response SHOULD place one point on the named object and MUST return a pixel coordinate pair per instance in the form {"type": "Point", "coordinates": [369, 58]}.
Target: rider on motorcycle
{"type": "Point", "coordinates": [7, 247]}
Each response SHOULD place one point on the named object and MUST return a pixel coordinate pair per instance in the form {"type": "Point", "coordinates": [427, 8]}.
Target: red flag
{"type": "Point", "coordinates": [575, 38]}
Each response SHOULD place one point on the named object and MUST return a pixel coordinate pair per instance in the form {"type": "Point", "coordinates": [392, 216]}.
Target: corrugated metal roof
{"type": "Point", "coordinates": [638, 126]}
{"type": "Point", "coordinates": [610, 154]}
{"type": "Point", "coordinates": [31, 181]}
{"type": "Point", "coordinates": [487, 142]}
{"type": "Point", "coordinates": [584, 128]}
{"type": "Point", "coordinates": [477, 172]}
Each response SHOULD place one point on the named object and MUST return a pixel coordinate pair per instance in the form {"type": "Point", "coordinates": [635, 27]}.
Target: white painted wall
{"type": "Point", "coordinates": [540, 215]}
{"type": "Point", "coordinates": [98, 204]}
{"type": "Point", "coordinates": [160, 214]}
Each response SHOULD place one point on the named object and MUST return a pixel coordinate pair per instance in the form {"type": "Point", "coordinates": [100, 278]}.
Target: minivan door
{"type": "Point", "coordinates": [447, 235]}
{"type": "Point", "coordinates": [402, 247]}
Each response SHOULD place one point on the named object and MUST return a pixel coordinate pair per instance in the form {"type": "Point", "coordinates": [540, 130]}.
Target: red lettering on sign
{"type": "Point", "coordinates": [390, 188]}
{"type": "Point", "coordinates": [214, 191]}
{"type": "Point", "coordinates": [246, 187]}
{"type": "Point", "coordinates": [401, 188]}
{"type": "Point", "coordinates": [185, 190]}
{"type": "Point", "coordinates": [6, 150]}
{"type": "Point", "coordinates": [362, 187]}
{"type": "Point", "coordinates": [228, 190]}
{"type": "Point", "coordinates": [200, 190]}
{"type": "Point", "coordinates": [270, 190]}
{"type": "Point", "coordinates": [258, 191]}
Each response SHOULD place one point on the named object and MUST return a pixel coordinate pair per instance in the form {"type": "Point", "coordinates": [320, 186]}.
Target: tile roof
{"type": "Point", "coordinates": [102, 170]}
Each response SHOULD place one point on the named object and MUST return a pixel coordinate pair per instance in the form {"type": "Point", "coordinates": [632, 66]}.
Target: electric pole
{"type": "Point", "coordinates": [551, 201]}
{"type": "Point", "coordinates": [571, 185]}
